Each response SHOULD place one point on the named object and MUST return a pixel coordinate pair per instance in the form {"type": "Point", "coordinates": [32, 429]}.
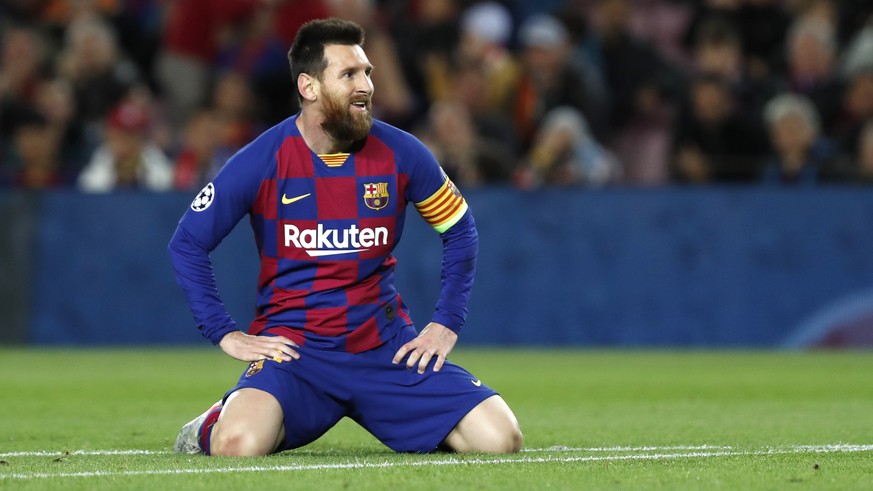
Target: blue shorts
{"type": "Point", "coordinates": [405, 410]}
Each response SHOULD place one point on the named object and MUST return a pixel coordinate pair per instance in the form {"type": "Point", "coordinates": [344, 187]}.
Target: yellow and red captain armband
{"type": "Point", "coordinates": [443, 208]}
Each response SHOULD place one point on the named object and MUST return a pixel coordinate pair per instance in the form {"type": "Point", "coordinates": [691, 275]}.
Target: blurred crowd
{"type": "Point", "coordinates": [158, 94]}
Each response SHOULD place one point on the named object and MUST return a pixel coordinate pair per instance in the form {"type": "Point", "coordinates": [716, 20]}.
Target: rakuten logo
{"type": "Point", "coordinates": [330, 241]}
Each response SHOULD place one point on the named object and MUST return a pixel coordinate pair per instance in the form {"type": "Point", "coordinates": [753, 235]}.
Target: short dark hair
{"type": "Point", "coordinates": [307, 51]}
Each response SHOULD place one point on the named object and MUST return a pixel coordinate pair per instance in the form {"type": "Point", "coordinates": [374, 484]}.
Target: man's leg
{"type": "Point", "coordinates": [251, 424]}
{"type": "Point", "coordinates": [490, 427]}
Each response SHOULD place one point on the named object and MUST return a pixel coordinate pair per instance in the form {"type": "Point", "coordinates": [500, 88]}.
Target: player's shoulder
{"type": "Point", "coordinates": [272, 138]}
{"type": "Point", "coordinates": [257, 158]}
{"type": "Point", "coordinates": [401, 142]}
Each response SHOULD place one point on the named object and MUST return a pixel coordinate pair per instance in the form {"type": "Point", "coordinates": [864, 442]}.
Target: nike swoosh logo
{"type": "Point", "coordinates": [477, 383]}
{"type": "Point", "coordinates": [287, 201]}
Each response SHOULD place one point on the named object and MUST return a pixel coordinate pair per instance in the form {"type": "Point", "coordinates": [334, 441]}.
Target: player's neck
{"type": "Point", "coordinates": [318, 140]}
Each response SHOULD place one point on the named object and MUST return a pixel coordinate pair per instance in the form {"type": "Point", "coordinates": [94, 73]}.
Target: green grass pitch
{"type": "Point", "coordinates": [106, 419]}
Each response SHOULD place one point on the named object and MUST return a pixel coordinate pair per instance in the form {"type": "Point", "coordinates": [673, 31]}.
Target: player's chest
{"type": "Point", "coordinates": [339, 197]}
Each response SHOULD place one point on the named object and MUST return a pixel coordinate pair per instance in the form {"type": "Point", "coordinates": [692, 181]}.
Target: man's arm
{"type": "Point", "coordinates": [214, 213]}
{"type": "Point", "coordinates": [460, 248]}
{"type": "Point", "coordinates": [194, 274]}
{"type": "Point", "coordinates": [438, 338]}
{"type": "Point", "coordinates": [190, 260]}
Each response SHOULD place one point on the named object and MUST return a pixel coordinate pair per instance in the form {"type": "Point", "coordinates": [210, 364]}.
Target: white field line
{"type": "Point", "coordinates": [48, 453]}
{"type": "Point", "coordinates": [457, 461]}
{"type": "Point", "coordinates": [559, 448]}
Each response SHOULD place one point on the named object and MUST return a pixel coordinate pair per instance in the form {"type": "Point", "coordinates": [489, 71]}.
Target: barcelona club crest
{"type": "Point", "coordinates": [255, 367]}
{"type": "Point", "coordinates": [376, 195]}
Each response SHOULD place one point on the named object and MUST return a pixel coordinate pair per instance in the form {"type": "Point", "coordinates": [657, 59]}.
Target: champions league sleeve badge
{"type": "Point", "coordinates": [204, 198]}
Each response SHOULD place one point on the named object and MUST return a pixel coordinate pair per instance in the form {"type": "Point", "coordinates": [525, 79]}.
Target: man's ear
{"type": "Point", "coordinates": [307, 85]}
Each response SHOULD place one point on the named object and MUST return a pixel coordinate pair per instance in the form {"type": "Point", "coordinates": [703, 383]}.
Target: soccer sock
{"type": "Point", "coordinates": [206, 429]}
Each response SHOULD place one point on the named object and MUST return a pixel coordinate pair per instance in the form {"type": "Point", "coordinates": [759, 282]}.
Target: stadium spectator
{"type": "Point", "coordinates": [486, 30]}
{"type": "Point", "coordinates": [353, 351]}
{"type": "Point", "coordinates": [717, 51]}
{"type": "Point", "coordinates": [193, 33]}
{"type": "Point", "coordinates": [469, 158]}
{"type": "Point", "coordinates": [859, 51]}
{"type": "Point", "coordinates": [470, 89]}
{"type": "Point", "coordinates": [856, 107]}
{"type": "Point", "coordinates": [97, 70]}
{"type": "Point", "coordinates": [21, 65]}
{"type": "Point", "coordinates": [234, 104]}
{"type": "Point", "coordinates": [565, 153]}
{"type": "Point", "coordinates": [637, 76]}
{"type": "Point", "coordinates": [811, 57]}
{"type": "Point", "coordinates": [258, 55]}
{"type": "Point", "coordinates": [483, 76]}
{"type": "Point", "coordinates": [550, 78]}
{"type": "Point", "coordinates": [21, 72]}
{"type": "Point", "coordinates": [642, 86]}
{"type": "Point", "coordinates": [762, 25]}
{"type": "Point", "coordinates": [201, 156]}
{"type": "Point", "coordinates": [28, 94]}
{"type": "Point", "coordinates": [255, 48]}
{"type": "Point", "coordinates": [128, 159]}
{"type": "Point", "coordinates": [55, 103]}
{"type": "Point", "coordinates": [801, 154]}
{"type": "Point", "coordinates": [711, 141]}
{"type": "Point", "coordinates": [624, 59]}
{"type": "Point", "coordinates": [662, 23]}
{"type": "Point", "coordinates": [33, 162]}
{"type": "Point", "coordinates": [854, 18]}
{"type": "Point", "coordinates": [427, 32]}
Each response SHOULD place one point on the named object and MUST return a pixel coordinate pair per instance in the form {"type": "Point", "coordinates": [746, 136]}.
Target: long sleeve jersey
{"type": "Point", "coordinates": [325, 227]}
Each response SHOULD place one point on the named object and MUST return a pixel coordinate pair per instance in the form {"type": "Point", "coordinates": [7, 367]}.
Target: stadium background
{"type": "Point", "coordinates": [719, 267]}
{"type": "Point", "coordinates": [652, 262]}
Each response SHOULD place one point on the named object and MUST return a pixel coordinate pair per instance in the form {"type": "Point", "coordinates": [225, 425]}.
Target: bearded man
{"type": "Point", "coordinates": [326, 192]}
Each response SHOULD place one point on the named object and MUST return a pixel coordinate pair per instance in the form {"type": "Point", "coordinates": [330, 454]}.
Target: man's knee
{"type": "Point", "coordinates": [490, 427]}
{"type": "Point", "coordinates": [236, 443]}
{"type": "Point", "coordinates": [251, 424]}
{"type": "Point", "coordinates": [503, 439]}
{"type": "Point", "coordinates": [512, 441]}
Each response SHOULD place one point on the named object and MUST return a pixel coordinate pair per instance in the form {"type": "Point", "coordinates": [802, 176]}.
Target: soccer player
{"type": "Point", "coordinates": [326, 192]}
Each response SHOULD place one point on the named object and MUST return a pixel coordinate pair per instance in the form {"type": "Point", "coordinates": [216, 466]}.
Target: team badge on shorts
{"type": "Point", "coordinates": [254, 368]}
{"type": "Point", "coordinates": [204, 198]}
{"type": "Point", "coordinates": [376, 195]}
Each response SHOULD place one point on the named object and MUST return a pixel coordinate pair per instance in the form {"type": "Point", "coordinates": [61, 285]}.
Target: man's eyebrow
{"type": "Point", "coordinates": [356, 68]}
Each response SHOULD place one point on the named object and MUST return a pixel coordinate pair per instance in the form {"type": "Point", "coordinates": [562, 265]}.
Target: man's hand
{"type": "Point", "coordinates": [246, 347]}
{"type": "Point", "coordinates": [434, 340]}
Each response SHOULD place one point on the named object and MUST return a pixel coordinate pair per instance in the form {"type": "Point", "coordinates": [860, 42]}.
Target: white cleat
{"type": "Point", "coordinates": [188, 440]}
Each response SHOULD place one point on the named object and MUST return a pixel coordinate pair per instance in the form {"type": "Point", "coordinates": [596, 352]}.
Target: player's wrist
{"type": "Point", "coordinates": [218, 335]}
{"type": "Point", "coordinates": [452, 322]}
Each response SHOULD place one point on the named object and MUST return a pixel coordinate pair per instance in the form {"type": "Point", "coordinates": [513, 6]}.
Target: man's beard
{"type": "Point", "coordinates": [342, 123]}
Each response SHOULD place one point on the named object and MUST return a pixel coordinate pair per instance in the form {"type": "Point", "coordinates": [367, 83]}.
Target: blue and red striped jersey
{"type": "Point", "coordinates": [325, 228]}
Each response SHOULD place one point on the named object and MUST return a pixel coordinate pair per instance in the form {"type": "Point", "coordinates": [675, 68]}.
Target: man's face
{"type": "Point", "coordinates": [791, 135]}
{"type": "Point", "coordinates": [346, 93]}
{"type": "Point", "coordinates": [711, 103]}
